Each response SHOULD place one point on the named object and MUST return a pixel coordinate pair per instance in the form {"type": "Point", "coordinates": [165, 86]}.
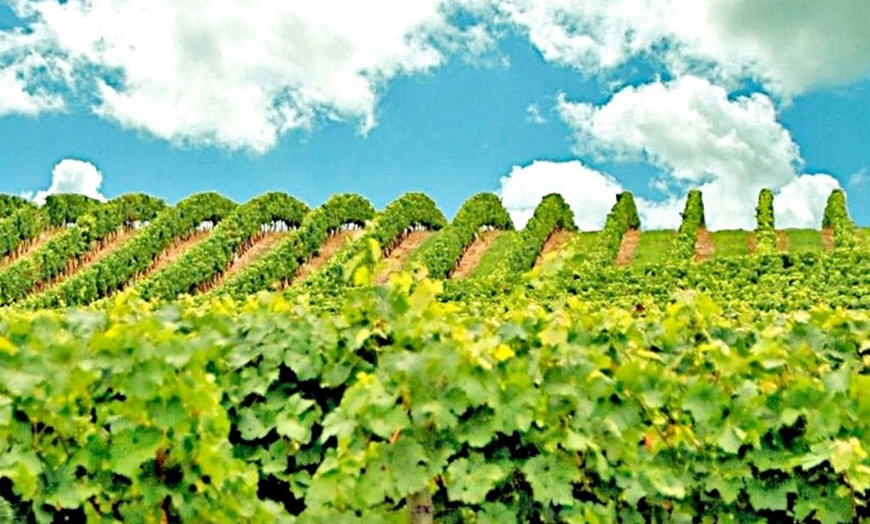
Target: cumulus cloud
{"type": "Point", "coordinates": [590, 193]}
{"type": "Point", "coordinates": [73, 176]}
{"type": "Point", "coordinates": [236, 74]}
{"type": "Point", "coordinates": [801, 202]}
{"type": "Point", "coordinates": [699, 137]}
{"type": "Point", "coordinates": [791, 47]}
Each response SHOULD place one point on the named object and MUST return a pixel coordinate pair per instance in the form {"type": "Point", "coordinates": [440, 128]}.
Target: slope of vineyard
{"type": "Point", "coordinates": [580, 389]}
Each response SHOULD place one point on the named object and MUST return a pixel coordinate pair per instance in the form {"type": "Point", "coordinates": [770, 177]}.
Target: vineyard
{"type": "Point", "coordinates": [272, 362]}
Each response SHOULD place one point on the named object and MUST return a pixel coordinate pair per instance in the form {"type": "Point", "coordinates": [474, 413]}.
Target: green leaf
{"type": "Point", "coordinates": [130, 448]}
{"type": "Point", "coordinates": [551, 478]}
{"type": "Point", "coordinates": [469, 481]}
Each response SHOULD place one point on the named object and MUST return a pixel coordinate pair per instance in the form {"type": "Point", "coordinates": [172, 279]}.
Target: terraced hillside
{"type": "Point", "coordinates": [411, 369]}
{"type": "Point", "coordinates": [74, 251]}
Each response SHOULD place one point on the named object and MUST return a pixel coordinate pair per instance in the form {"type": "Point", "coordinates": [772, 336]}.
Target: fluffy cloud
{"type": "Point", "coordinates": [791, 47]}
{"type": "Point", "coordinates": [73, 176]}
{"type": "Point", "coordinates": [20, 92]}
{"type": "Point", "coordinates": [699, 137]}
{"type": "Point", "coordinates": [235, 73]}
{"type": "Point", "coordinates": [590, 193]}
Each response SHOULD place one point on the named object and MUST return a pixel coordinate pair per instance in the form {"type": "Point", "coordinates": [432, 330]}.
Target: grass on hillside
{"type": "Point", "coordinates": [804, 240]}
{"type": "Point", "coordinates": [654, 247]}
{"type": "Point", "coordinates": [731, 242]}
{"type": "Point", "coordinates": [864, 236]}
{"type": "Point", "coordinates": [583, 243]}
{"type": "Point", "coordinates": [497, 251]}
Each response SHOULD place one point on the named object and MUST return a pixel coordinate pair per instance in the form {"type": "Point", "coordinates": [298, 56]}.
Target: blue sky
{"type": "Point", "coordinates": [449, 98]}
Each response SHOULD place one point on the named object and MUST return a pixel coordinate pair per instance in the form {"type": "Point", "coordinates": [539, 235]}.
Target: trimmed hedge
{"type": "Point", "coordinates": [134, 257]}
{"type": "Point", "coordinates": [408, 212]}
{"type": "Point", "coordinates": [212, 257]}
{"type": "Point", "coordinates": [621, 218]}
{"type": "Point", "coordinates": [687, 235]}
{"type": "Point", "coordinates": [765, 229]}
{"type": "Point", "coordinates": [519, 256]}
{"type": "Point", "coordinates": [440, 253]}
{"type": "Point", "coordinates": [20, 278]}
{"type": "Point", "coordinates": [282, 262]}
{"type": "Point", "coordinates": [837, 218]}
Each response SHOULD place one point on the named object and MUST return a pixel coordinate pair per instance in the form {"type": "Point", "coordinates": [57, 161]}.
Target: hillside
{"type": "Point", "coordinates": [207, 245]}
{"type": "Point", "coordinates": [411, 369]}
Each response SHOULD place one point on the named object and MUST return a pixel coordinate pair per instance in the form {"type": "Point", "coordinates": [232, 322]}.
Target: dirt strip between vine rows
{"type": "Point", "coordinates": [628, 247]}
{"type": "Point", "coordinates": [394, 262]}
{"type": "Point", "coordinates": [28, 247]}
{"type": "Point", "coordinates": [705, 247]}
{"type": "Point", "coordinates": [556, 241]}
{"type": "Point", "coordinates": [828, 238]}
{"type": "Point", "coordinates": [781, 240]}
{"type": "Point", "coordinates": [172, 253]}
{"type": "Point", "coordinates": [469, 260]}
{"type": "Point", "coordinates": [330, 247]}
{"type": "Point", "coordinates": [103, 249]}
{"type": "Point", "coordinates": [257, 247]}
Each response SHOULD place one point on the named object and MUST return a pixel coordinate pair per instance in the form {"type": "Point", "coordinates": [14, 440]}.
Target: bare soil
{"type": "Point", "coordinates": [262, 245]}
{"type": "Point", "coordinates": [828, 238]}
{"type": "Point", "coordinates": [705, 247]}
{"type": "Point", "coordinates": [752, 242]}
{"type": "Point", "coordinates": [328, 250]}
{"type": "Point", "coordinates": [29, 246]}
{"type": "Point", "coordinates": [628, 247]}
{"type": "Point", "coordinates": [554, 242]}
{"type": "Point", "coordinates": [781, 240]}
{"type": "Point", "coordinates": [473, 253]}
{"type": "Point", "coordinates": [400, 253]}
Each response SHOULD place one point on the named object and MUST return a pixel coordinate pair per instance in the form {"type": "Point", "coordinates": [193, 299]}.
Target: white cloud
{"type": "Point", "coordinates": [859, 178]}
{"type": "Point", "coordinates": [789, 46]}
{"type": "Point", "coordinates": [18, 95]}
{"type": "Point", "coordinates": [73, 176]}
{"type": "Point", "coordinates": [699, 137]}
{"type": "Point", "coordinates": [801, 202]}
{"type": "Point", "coordinates": [236, 73]}
{"type": "Point", "coordinates": [591, 194]}
{"type": "Point", "coordinates": [534, 116]}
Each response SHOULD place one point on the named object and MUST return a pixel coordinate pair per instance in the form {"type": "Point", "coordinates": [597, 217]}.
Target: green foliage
{"type": "Point", "coordinates": [65, 209]}
{"type": "Point", "coordinates": [116, 270]}
{"type": "Point", "coordinates": [282, 262]}
{"type": "Point", "coordinates": [622, 217]}
{"type": "Point", "coordinates": [693, 219]}
{"type": "Point", "coordinates": [212, 257]}
{"type": "Point", "coordinates": [329, 286]}
{"type": "Point", "coordinates": [765, 232]}
{"type": "Point", "coordinates": [440, 253]}
{"type": "Point", "coordinates": [52, 259]}
{"type": "Point", "coordinates": [12, 203]}
{"type": "Point", "coordinates": [21, 226]}
{"type": "Point", "coordinates": [411, 210]}
{"type": "Point", "coordinates": [518, 252]}
{"type": "Point", "coordinates": [269, 411]}
{"type": "Point", "coordinates": [836, 217]}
